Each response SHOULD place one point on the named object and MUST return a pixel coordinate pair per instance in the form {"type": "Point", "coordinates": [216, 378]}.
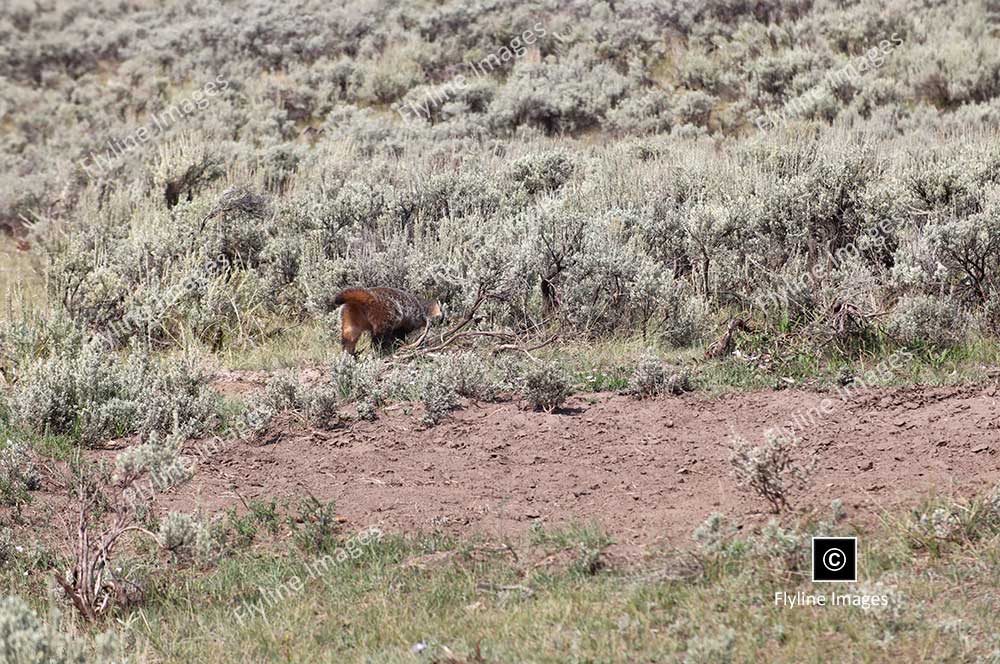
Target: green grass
{"type": "Point", "coordinates": [540, 599]}
{"type": "Point", "coordinates": [308, 343]}
{"type": "Point", "coordinates": [607, 365]}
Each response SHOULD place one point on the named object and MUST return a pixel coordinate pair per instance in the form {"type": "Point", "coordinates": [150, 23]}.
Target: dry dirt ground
{"type": "Point", "coordinates": [647, 471]}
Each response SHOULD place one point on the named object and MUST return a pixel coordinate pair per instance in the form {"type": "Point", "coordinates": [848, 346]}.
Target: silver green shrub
{"type": "Point", "coordinates": [94, 394]}
{"type": "Point", "coordinates": [438, 397]}
{"type": "Point", "coordinates": [157, 459]}
{"type": "Point", "coordinates": [187, 535]}
{"type": "Point", "coordinates": [544, 172]}
{"type": "Point", "coordinates": [318, 404]}
{"type": "Point", "coordinates": [788, 547]}
{"type": "Point", "coordinates": [471, 376]}
{"type": "Point", "coordinates": [545, 388]}
{"type": "Point", "coordinates": [714, 535]}
{"type": "Point", "coordinates": [652, 378]}
{"type": "Point", "coordinates": [355, 379]}
{"type": "Point", "coordinates": [940, 523]}
{"type": "Point", "coordinates": [447, 379]}
{"type": "Point", "coordinates": [27, 639]}
{"type": "Point", "coordinates": [928, 320]}
{"type": "Point", "coordinates": [18, 475]}
{"type": "Point", "coordinates": [769, 469]}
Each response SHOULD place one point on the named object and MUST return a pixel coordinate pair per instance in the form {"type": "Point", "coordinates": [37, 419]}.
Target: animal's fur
{"type": "Point", "coordinates": [724, 345]}
{"type": "Point", "coordinates": [387, 314]}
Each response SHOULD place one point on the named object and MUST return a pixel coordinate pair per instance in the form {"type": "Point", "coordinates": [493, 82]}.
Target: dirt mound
{"type": "Point", "coordinates": [648, 471]}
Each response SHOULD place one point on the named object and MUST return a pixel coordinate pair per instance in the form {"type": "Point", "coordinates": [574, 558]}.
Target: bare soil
{"type": "Point", "coordinates": [647, 471]}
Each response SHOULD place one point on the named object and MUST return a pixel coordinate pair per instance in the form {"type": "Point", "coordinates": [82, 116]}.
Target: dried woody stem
{"type": "Point", "coordinates": [92, 586]}
{"type": "Point", "coordinates": [458, 333]}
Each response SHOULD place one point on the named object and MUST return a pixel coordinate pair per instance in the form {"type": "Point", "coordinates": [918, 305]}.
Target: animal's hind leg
{"type": "Point", "coordinates": [383, 342]}
{"type": "Point", "coordinates": [387, 342]}
{"type": "Point", "coordinates": [348, 343]}
{"type": "Point", "coordinates": [350, 331]}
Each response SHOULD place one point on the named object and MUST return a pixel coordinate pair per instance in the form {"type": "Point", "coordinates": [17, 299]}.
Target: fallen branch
{"type": "Point", "coordinates": [416, 344]}
{"type": "Point", "coordinates": [413, 350]}
{"type": "Point", "coordinates": [527, 351]}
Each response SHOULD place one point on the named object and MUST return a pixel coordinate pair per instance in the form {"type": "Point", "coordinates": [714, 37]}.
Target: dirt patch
{"type": "Point", "coordinates": [648, 471]}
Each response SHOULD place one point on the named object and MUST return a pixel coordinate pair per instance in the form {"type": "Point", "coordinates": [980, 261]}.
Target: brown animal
{"type": "Point", "coordinates": [387, 314]}
{"type": "Point", "coordinates": [724, 345]}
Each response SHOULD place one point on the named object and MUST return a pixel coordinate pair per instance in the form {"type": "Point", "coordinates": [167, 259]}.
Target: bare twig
{"type": "Point", "coordinates": [413, 350]}
{"type": "Point", "coordinates": [416, 344]}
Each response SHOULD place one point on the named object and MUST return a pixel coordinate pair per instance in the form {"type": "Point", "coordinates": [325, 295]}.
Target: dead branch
{"type": "Point", "coordinates": [414, 350]}
{"type": "Point", "coordinates": [416, 344]}
{"type": "Point", "coordinates": [527, 351]}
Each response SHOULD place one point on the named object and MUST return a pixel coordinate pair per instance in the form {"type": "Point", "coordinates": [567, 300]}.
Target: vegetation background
{"type": "Point", "coordinates": [187, 185]}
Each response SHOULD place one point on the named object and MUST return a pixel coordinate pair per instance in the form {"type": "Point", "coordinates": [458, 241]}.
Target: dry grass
{"type": "Point", "coordinates": [22, 282]}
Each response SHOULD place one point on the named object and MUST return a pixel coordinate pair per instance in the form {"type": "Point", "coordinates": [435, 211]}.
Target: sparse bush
{"type": "Point", "coordinates": [108, 503]}
{"type": "Point", "coordinates": [937, 524]}
{"type": "Point", "coordinates": [318, 405]}
{"type": "Point", "coordinates": [650, 113]}
{"type": "Point", "coordinates": [471, 376]}
{"type": "Point", "coordinates": [90, 393]}
{"type": "Point", "coordinates": [589, 559]}
{"type": "Point", "coordinates": [177, 532]}
{"type": "Point", "coordinates": [26, 639]}
{"type": "Point", "coordinates": [545, 388]}
{"type": "Point", "coordinates": [769, 470]}
{"type": "Point", "coordinates": [18, 476]}
{"type": "Point", "coordinates": [438, 396]}
{"type": "Point", "coordinates": [317, 526]}
{"type": "Point", "coordinates": [355, 380]}
{"type": "Point", "coordinates": [651, 378]}
{"type": "Point", "coordinates": [542, 172]}
{"type": "Point", "coordinates": [321, 406]}
{"type": "Point", "coordinates": [941, 523]}
{"type": "Point", "coordinates": [714, 536]}
{"type": "Point", "coordinates": [789, 547]}
{"type": "Point", "coordinates": [695, 108]}
{"type": "Point", "coordinates": [713, 647]}
{"type": "Point", "coordinates": [928, 320]}
{"type": "Point", "coordinates": [190, 537]}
